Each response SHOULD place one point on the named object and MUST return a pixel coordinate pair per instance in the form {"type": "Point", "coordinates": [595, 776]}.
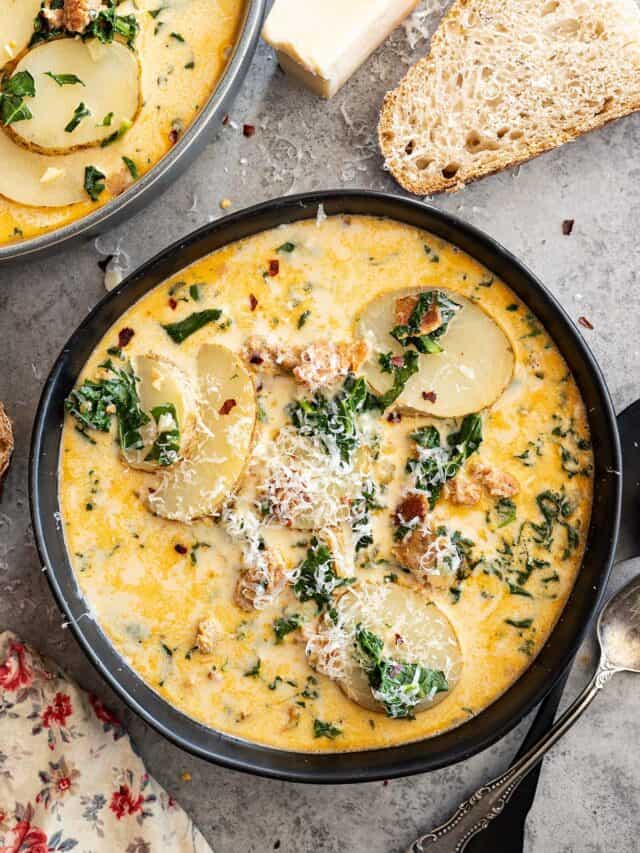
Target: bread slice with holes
{"type": "Point", "coordinates": [506, 80]}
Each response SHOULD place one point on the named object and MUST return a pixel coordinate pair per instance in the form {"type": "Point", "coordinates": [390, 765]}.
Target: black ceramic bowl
{"type": "Point", "coordinates": [157, 179]}
{"type": "Point", "coordinates": [469, 738]}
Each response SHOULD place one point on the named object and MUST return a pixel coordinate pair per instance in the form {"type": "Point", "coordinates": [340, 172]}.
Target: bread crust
{"type": "Point", "coordinates": [6, 442]}
{"type": "Point", "coordinates": [419, 81]}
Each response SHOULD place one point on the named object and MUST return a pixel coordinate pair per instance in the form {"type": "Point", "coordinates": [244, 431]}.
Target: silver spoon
{"type": "Point", "coordinates": [619, 638]}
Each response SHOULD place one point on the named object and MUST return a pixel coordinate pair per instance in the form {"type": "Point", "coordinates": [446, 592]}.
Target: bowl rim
{"type": "Point", "coordinates": [162, 172]}
{"type": "Point", "coordinates": [433, 753]}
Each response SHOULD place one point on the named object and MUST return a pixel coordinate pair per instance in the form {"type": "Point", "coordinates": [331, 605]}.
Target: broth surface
{"type": "Point", "coordinates": [151, 582]}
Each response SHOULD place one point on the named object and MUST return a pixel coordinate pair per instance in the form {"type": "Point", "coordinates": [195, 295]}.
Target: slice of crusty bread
{"type": "Point", "coordinates": [506, 80]}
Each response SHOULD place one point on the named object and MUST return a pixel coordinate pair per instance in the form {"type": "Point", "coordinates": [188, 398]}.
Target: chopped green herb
{"type": "Point", "coordinates": [520, 623]}
{"type": "Point", "coordinates": [167, 444]}
{"type": "Point", "coordinates": [506, 512]}
{"type": "Point", "coordinates": [180, 331]}
{"type": "Point", "coordinates": [194, 292]}
{"type": "Point", "coordinates": [254, 672]}
{"type": "Point", "coordinates": [80, 112]}
{"type": "Point", "coordinates": [486, 282]}
{"type": "Point", "coordinates": [64, 79]}
{"type": "Point", "coordinates": [286, 247]}
{"type": "Point", "coordinates": [302, 319]}
{"type": "Point", "coordinates": [328, 730]}
{"type": "Point", "coordinates": [106, 121]}
{"type": "Point", "coordinates": [131, 166]}
{"type": "Point", "coordinates": [515, 589]}
{"type": "Point", "coordinates": [93, 182]}
{"type": "Point", "coordinates": [284, 625]}
{"type": "Point", "coordinates": [177, 37]}
{"type": "Point", "coordinates": [315, 578]}
{"type": "Point", "coordinates": [117, 134]}
{"type": "Point", "coordinates": [167, 650]}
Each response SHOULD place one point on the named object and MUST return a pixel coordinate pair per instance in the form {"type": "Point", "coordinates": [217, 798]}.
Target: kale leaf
{"type": "Point", "coordinates": [333, 421]}
{"type": "Point", "coordinates": [398, 686]}
{"type": "Point", "coordinates": [402, 367]}
{"type": "Point", "coordinates": [165, 448]}
{"type": "Point", "coordinates": [316, 578]}
{"type": "Point", "coordinates": [95, 401]}
{"type": "Point", "coordinates": [180, 331]}
{"type": "Point", "coordinates": [410, 335]}
{"type": "Point", "coordinates": [436, 464]}
{"type": "Point", "coordinates": [284, 625]}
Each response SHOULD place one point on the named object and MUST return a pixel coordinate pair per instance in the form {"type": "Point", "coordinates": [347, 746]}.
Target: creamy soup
{"type": "Point", "coordinates": [327, 488]}
{"type": "Point", "coordinates": [94, 93]}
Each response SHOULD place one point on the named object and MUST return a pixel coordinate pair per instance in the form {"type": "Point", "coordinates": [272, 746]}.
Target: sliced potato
{"type": "Point", "coordinates": [162, 382]}
{"type": "Point", "coordinates": [412, 628]}
{"type": "Point", "coordinates": [471, 372]}
{"type": "Point", "coordinates": [110, 87]}
{"type": "Point", "coordinates": [219, 451]}
{"type": "Point", "coordinates": [16, 27]}
{"type": "Point", "coordinates": [39, 181]}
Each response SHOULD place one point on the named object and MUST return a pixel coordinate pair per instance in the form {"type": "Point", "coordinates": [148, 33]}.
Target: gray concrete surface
{"type": "Point", "coordinates": [590, 784]}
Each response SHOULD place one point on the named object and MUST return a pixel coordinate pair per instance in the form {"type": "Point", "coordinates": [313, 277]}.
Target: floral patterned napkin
{"type": "Point", "coordinates": [69, 778]}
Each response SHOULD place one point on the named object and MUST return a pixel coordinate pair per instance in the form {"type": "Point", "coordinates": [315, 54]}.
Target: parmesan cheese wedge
{"type": "Point", "coordinates": [109, 90]}
{"type": "Point", "coordinates": [322, 42]}
{"type": "Point", "coordinates": [474, 368]}
{"type": "Point", "coordinates": [220, 449]}
{"type": "Point", "coordinates": [412, 628]}
{"type": "Point", "coordinates": [16, 26]}
{"type": "Point", "coordinates": [160, 383]}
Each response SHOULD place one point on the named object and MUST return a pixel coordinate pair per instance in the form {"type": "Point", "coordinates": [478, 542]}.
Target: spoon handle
{"type": "Point", "coordinates": [485, 804]}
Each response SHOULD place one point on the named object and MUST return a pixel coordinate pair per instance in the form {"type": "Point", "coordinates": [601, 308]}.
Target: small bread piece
{"type": "Point", "coordinates": [504, 82]}
{"type": "Point", "coordinates": [6, 442]}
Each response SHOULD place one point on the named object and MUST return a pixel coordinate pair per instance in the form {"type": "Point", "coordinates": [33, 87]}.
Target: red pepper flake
{"type": "Point", "coordinates": [413, 506]}
{"type": "Point", "coordinates": [567, 226]}
{"type": "Point", "coordinates": [274, 267]}
{"type": "Point", "coordinates": [181, 549]}
{"type": "Point", "coordinates": [385, 782]}
{"type": "Point", "coordinates": [256, 358]}
{"type": "Point", "coordinates": [124, 336]}
{"type": "Point", "coordinates": [173, 304]}
{"type": "Point", "coordinates": [226, 407]}
{"type": "Point", "coordinates": [248, 130]}
{"type": "Point", "coordinates": [173, 136]}
{"type": "Point", "coordinates": [225, 119]}
{"type": "Point", "coordinates": [398, 640]}
{"type": "Point", "coordinates": [397, 360]}
{"type": "Point", "coordinates": [586, 323]}
{"type": "Point", "coordinates": [429, 396]}
{"type": "Point", "coordinates": [394, 417]}
{"type": "Point", "coordinates": [253, 302]}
